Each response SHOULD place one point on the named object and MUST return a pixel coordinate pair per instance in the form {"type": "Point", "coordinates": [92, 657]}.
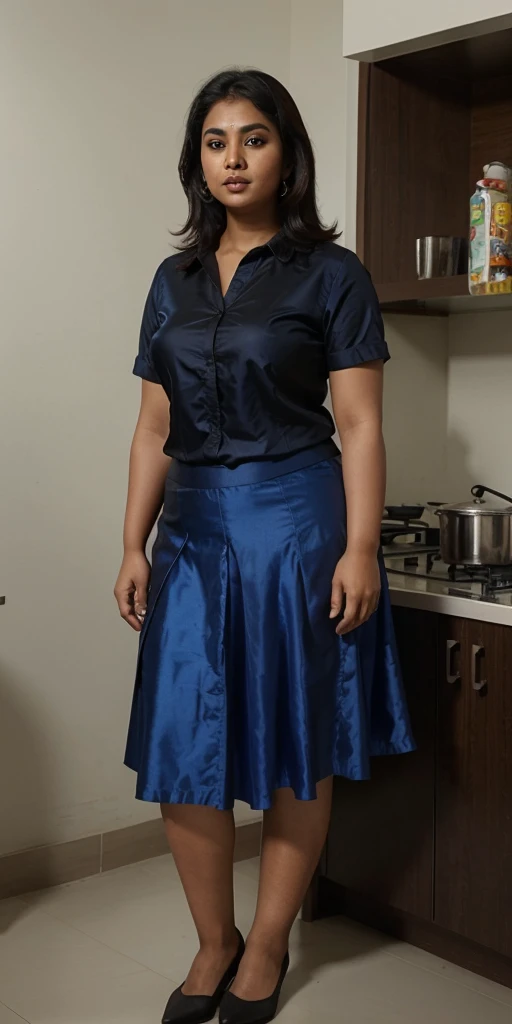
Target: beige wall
{"type": "Point", "coordinates": [376, 28]}
{"type": "Point", "coordinates": [447, 407]}
{"type": "Point", "coordinates": [93, 98]}
{"type": "Point", "coordinates": [415, 408]}
{"type": "Point", "coordinates": [479, 403]}
{"type": "Point", "coordinates": [318, 84]}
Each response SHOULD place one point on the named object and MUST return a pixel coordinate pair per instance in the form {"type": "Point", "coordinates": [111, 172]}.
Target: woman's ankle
{"type": "Point", "coordinates": [225, 938]}
{"type": "Point", "coordinates": [268, 943]}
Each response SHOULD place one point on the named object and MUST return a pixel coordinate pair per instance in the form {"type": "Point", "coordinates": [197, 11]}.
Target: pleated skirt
{"type": "Point", "coordinates": [242, 685]}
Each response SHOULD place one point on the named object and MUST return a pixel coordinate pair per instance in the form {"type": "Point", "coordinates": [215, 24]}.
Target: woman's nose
{"type": "Point", "coordinates": [234, 159]}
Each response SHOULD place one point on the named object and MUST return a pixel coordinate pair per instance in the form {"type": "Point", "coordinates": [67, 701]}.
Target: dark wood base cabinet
{"type": "Point", "coordinates": [424, 850]}
{"type": "Point", "coordinates": [473, 830]}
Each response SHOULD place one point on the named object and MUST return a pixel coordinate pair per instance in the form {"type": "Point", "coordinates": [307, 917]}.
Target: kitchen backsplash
{"type": "Point", "coordinates": [447, 405]}
{"type": "Point", "coordinates": [416, 407]}
{"type": "Point", "coordinates": [479, 416]}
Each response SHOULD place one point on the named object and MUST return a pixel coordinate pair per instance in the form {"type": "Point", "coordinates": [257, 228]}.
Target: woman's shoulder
{"type": "Point", "coordinates": [167, 275]}
{"type": "Point", "coordinates": [171, 264]}
{"type": "Point", "coordinates": [339, 266]}
{"type": "Point", "coordinates": [336, 256]}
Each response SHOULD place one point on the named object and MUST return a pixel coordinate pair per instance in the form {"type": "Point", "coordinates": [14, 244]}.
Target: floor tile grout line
{"type": "Point", "coordinates": [427, 970]}
{"type": "Point", "coordinates": [7, 1007]}
{"type": "Point", "coordinates": [112, 949]}
{"type": "Point", "coordinates": [93, 938]}
{"type": "Point", "coordinates": [439, 974]}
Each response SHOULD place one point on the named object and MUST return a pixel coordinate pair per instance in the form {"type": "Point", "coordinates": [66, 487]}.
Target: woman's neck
{"type": "Point", "coordinates": [243, 234]}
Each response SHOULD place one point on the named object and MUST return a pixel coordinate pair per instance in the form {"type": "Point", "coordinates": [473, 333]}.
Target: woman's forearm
{"type": "Point", "coordinates": [364, 475]}
{"type": "Point", "coordinates": [148, 470]}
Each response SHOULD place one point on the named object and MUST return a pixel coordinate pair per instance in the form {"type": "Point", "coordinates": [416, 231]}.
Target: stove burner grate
{"type": "Point", "coordinates": [492, 578]}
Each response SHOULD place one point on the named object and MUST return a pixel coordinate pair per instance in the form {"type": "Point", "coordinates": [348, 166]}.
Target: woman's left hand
{"type": "Point", "coordinates": [357, 578]}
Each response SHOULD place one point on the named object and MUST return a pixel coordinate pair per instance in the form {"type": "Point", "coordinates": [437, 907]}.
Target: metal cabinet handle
{"type": "Point", "coordinates": [477, 654]}
{"type": "Point", "coordinates": [452, 647]}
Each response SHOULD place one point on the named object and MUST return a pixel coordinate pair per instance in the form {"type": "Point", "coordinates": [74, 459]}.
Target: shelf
{"type": "Point", "coordinates": [439, 296]}
{"type": "Point", "coordinates": [428, 123]}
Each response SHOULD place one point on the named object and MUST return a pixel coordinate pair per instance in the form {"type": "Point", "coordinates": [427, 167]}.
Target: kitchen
{"type": "Point", "coordinates": [440, 819]}
{"type": "Point", "coordinates": [431, 117]}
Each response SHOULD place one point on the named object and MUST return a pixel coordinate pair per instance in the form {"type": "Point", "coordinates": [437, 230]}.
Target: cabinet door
{"type": "Point", "coordinates": [473, 877]}
{"type": "Point", "coordinates": [381, 835]}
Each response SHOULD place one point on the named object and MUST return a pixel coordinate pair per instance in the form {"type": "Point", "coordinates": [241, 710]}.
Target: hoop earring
{"type": "Point", "coordinates": [206, 195]}
{"type": "Point", "coordinates": [285, 193]}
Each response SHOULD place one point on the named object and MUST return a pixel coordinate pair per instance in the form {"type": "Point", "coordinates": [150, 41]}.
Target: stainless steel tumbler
{"type": "Point", "coordinates": [437, 256]}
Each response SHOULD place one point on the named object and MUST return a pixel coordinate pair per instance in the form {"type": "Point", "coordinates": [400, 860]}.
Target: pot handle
{"type": "Point", "coordinates": [479, 489]}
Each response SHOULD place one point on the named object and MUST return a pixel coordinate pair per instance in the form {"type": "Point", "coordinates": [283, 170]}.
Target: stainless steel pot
{"type": "Point", "coordinates": [477, 532]}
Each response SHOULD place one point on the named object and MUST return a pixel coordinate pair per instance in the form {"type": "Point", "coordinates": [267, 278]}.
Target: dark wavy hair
{"type": "Point", "coordinates": [206, 222]}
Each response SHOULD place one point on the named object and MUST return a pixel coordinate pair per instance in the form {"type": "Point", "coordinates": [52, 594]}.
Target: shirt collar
{"type": "Point", "coordinates": [282, 248]}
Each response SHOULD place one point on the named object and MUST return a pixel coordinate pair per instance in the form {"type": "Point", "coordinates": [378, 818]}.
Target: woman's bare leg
{"type": "Point", "coordinates": [294, 833]}
{"type": "Point", "coordinates": [202, 842]}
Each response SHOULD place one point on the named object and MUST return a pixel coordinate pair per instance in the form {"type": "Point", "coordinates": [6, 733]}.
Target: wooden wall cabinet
{"type": "Point", "coordinates": [424, 850]}
{"type": "Point", "coordinates": [428, 122]}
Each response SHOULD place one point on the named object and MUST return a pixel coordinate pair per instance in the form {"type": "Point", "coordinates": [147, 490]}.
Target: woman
{"type": "Point", "coordinates": [266, 661]}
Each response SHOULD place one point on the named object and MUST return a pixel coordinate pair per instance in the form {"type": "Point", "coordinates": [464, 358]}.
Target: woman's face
{"type": "Point", "coordinates": [239, 141]}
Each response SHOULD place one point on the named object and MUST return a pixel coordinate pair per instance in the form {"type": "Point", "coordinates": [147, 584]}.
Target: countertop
{"type": "Point", "coordinates": [437, 595]}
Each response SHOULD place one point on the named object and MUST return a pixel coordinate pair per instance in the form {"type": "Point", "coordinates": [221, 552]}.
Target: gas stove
{"type": "Point", "coordinates": [411, 551]}
{"type": "Point", "coordinates": [488, 583]}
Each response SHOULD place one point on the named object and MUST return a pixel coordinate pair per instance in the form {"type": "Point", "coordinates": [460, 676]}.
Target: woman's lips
{"type": "Point", "coordinates": [236, 186]}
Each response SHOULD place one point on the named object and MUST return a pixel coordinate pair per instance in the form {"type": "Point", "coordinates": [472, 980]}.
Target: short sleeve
{"type": "Point", "coordinates": [353, 327]}
{"type": "Point", "coordinates": [143, 366]}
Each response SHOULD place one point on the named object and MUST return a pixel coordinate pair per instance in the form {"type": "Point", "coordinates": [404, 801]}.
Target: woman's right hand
{"type": "Point", "coordinates": [131, 588]}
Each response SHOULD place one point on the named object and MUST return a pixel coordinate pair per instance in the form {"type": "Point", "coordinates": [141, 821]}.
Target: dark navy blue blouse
{"type": "Point", "coordinates": [246, 375]}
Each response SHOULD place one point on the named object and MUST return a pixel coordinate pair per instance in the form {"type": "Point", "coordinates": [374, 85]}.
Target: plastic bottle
{"type": "Point", "coordinates": [490, 242]}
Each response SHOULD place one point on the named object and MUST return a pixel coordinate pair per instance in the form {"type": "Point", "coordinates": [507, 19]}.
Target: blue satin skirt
{"type": "Point", "coordinates": [242, 684]}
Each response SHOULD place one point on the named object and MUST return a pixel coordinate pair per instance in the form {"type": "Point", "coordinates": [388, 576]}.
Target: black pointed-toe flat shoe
{"type": "Point", "coordinates": [234, 1010]}
{"type": "Point", "coordinates": [182, 1009]}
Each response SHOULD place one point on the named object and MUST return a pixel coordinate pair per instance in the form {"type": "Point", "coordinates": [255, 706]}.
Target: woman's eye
{"type": "Point", "coordinates": [253, 141]}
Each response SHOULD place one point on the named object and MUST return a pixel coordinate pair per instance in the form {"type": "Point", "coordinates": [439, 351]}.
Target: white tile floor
{"type": "Point", "coordinates": [109, 949]}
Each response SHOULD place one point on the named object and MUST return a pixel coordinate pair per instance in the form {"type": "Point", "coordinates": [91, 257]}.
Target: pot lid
{"type": "Point", "coordinates": [477, 507]}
